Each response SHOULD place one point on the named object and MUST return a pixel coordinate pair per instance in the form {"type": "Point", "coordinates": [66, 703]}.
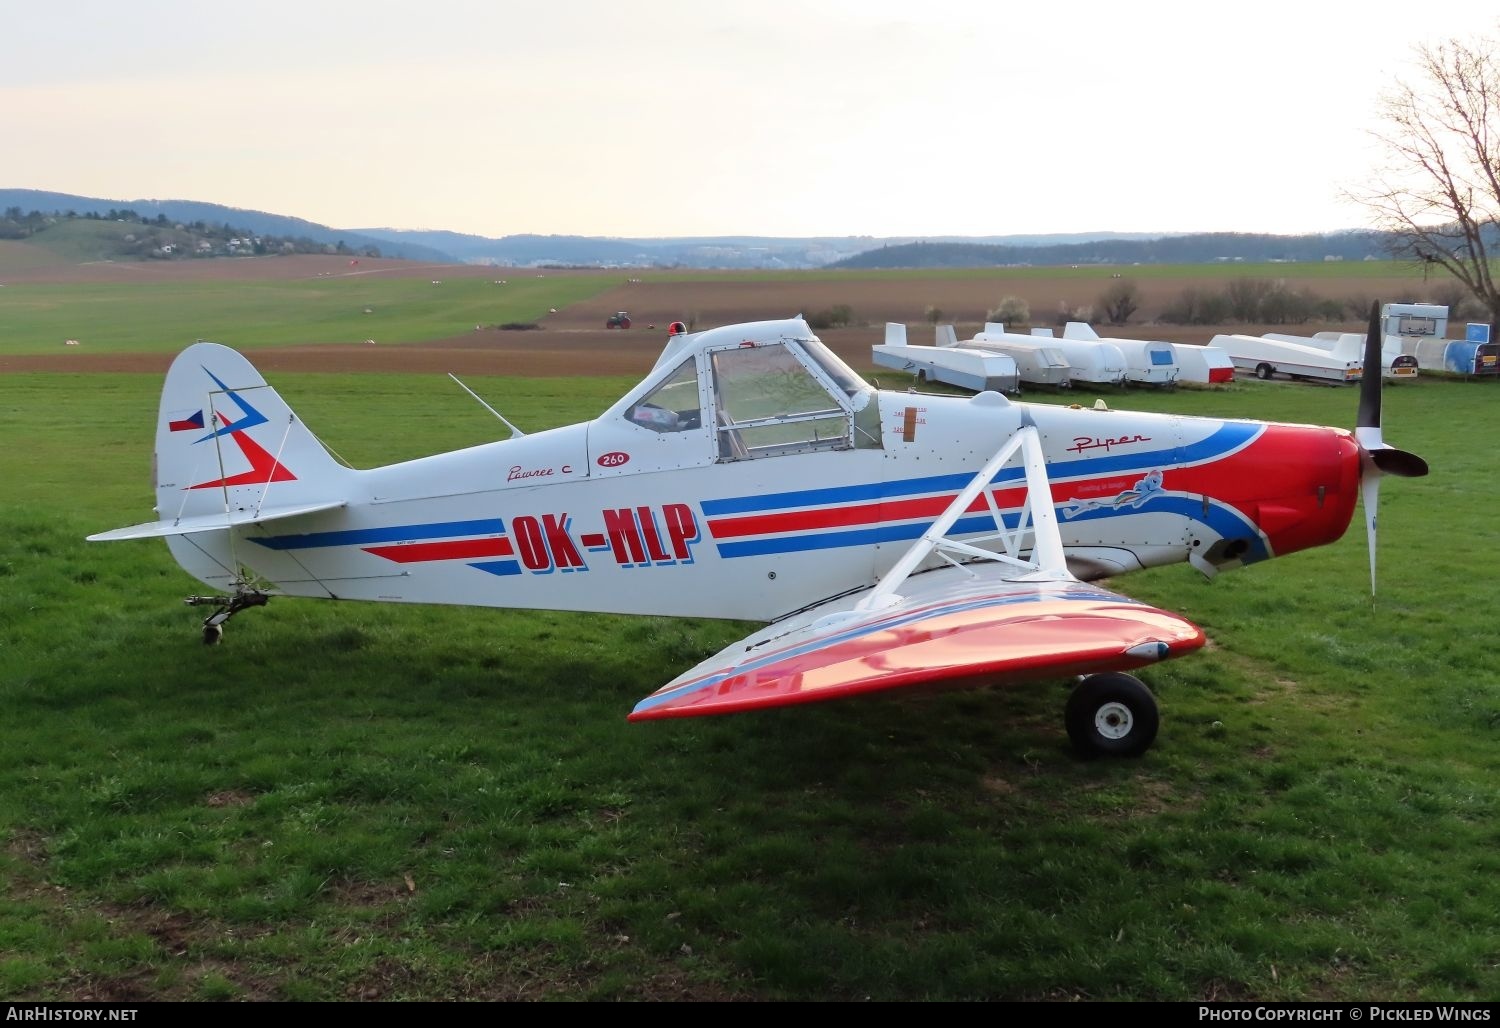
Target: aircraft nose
{"type": "Point", "coordinates": [1308, 489]}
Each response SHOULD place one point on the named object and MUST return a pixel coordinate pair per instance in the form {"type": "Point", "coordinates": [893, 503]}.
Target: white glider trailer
{"type": "Point", "coordinates": [1090, 361]}
{"type": "Point", "coordinates": [1038, 362]}
{"type": "Point", "coordinates": [1147, 361]}
{"type": "Point", "coordinates": [979, 370]}
{"type": "Point", "coordinates": [1351, 346]}
{"type": "Point", "coordinates": [1270, 357]}
{"type": "Point", "coordinates": [1203, 365]}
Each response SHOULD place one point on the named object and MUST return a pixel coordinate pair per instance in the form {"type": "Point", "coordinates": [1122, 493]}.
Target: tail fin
{"type": "Point", "coordinates": [229, 451]}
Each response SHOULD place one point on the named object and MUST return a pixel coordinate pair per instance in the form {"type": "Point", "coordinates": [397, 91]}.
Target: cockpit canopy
{"type": "Point", "coordinates": [767, 389]}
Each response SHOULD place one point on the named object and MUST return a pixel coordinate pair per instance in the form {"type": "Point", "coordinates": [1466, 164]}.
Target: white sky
{"type": "Point", "coordinates": [687, 117]}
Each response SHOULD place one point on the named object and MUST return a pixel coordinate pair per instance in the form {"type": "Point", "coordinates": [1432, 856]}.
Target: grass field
{"type": "Point", "coordinates": [164, 317]}
{"type": "Point", "coordinates": [349, 801]}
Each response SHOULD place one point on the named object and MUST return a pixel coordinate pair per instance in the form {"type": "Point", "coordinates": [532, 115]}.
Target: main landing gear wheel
{"type": "Point", "coordinates": [1112, 714]}
{"type": "Point", "coordinates": [212, 634]}
{"type": "Point", "coordinates": [1264, 372]}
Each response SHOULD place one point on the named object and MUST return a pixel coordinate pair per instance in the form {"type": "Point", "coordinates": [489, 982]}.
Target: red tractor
{"type": "Point", "coordinates": [618, 320]}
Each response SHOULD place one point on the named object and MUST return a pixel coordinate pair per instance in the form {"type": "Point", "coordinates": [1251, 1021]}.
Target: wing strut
{"type": "Point", "coordinates": [1047, 563]}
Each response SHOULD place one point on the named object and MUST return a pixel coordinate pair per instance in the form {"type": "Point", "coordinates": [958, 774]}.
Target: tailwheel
{"type": "Point", "coordinates": [228, 607]}
{"type": "Point", "coordinates": [1111, 714]}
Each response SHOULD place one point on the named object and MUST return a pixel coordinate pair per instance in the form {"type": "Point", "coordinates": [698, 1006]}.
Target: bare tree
{"type": "Point", "coordinates": [1439, 188]}
{"type": "Point", "coordinates": [1120, 301]}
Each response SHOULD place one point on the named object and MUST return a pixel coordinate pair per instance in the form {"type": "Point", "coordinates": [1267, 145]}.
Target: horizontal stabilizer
{"type": "Point", "coordinates": [217, 522]}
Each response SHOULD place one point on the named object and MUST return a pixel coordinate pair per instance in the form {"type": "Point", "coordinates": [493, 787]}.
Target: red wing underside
{"type": "Point", "coordinates": [1005, 633]}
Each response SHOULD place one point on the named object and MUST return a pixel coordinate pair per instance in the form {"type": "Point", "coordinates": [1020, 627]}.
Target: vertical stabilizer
{"type": "Point", "coordinates": [227, 443]}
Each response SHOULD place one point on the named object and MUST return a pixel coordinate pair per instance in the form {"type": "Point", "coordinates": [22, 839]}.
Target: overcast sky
{"type": "Point", "coordinates": [686, 117]}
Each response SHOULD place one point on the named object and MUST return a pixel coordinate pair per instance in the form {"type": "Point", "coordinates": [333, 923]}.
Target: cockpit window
{"type": "Point", "coordinates": [769, 403]}
{"type": "Point", "coordinates": [672, 406]}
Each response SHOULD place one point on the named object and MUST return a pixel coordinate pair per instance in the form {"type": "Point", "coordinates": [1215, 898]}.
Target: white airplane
{"type": "Point", "coordinates": [890, 540]}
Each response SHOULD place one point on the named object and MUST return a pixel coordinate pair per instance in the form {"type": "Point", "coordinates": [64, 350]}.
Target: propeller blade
{"type": "Point", "coordinates": [1369, 384]}
{"type": "Point", "coordinates": [1369, 485]}
{"type": "Point", "coordinates": [1401, 463]}
{"type": "Point", "coordinates": [1377, 459]}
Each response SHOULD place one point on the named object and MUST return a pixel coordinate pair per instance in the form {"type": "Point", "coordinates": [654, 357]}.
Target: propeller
{"type": "Point", "coordinates": [1376, 459]}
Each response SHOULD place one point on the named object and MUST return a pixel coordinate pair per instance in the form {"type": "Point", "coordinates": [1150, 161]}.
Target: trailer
{"type": "Point", "coordinates": [1418, 330]}
{"type": "Point", "coordinates": [1147, 361]}
{"type": "Point", "coordinates": [1204, 365]}
{"type": "Point", "coordinates": [1036, 362]}
{"type": "Point", "coordinates": [1351, 346]}
{"type": "Point", "coordinates": [1090, 361]}
{"type": "Point", "coordinates": [979, 370]}
{"type": "Point", "coordinates": [1456, 356]}
{"type": "Point", "coordinates": [1270, 357]}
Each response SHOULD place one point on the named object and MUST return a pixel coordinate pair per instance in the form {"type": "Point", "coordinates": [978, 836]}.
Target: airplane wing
{"type": "Point", "coordinates": [953, 626]}
{"type": "Point", "coordinates": [1001, 615]}
{"type": "Point", "coordinates": [216, 522]}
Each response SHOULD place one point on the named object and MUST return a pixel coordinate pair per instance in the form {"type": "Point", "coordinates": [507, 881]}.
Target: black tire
{"type": "Point", "coordinates": [1264, 372]}
{"type": "Point", "coordinates": [921, 377]}
{"type": "Point", "coordinates": [1112, 714]}
{"type": "Point", "coordinates": [212, 634]}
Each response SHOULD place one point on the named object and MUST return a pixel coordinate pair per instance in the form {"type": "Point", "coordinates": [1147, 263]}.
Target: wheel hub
{"type": "Point", "coordinates": [1113, 720]}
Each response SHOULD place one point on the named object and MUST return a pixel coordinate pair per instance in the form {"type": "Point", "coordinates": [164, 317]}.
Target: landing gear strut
{"type": "Point", "coordinates": [228, 607]}
{"type": "Point", "coordinates": [1111, 714]}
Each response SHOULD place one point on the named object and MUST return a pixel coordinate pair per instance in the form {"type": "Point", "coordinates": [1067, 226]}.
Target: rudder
{"type": "Point", "coordinates": [227, 442]}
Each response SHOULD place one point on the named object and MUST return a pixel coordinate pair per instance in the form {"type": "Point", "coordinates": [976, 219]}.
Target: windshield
{"type": "Point", "coordinates": [854, 387]}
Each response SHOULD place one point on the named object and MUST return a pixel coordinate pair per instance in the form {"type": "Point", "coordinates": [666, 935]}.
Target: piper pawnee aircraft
{"type": "Point", "coordinates": [890, 540]}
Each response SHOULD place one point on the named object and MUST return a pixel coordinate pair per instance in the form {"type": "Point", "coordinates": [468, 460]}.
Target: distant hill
{"type": "Point", "coordinates": [255, 222]}
{"type": "Point", "coordinates": [687, 251]}
{"type": "Point", "coordinates": [692, 252]}
{"type": "Point", "coordinates": [1183, 249]}
{"type": "Point", "coordinates": [735, 251]}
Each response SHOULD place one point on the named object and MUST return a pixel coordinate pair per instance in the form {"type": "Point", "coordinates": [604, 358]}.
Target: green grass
{"type": "Point", "coordinates": [163, 317]}
{"type": "Point", "coordinates": [349, 801]}
{"type": "Point", "coordinates": [63, 244]}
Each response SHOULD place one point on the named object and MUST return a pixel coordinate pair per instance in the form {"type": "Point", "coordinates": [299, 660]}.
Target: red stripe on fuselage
{"type": "Point", "coordinates": [463, 549]}
{"type": "Point", "coordinates": [835, 517]}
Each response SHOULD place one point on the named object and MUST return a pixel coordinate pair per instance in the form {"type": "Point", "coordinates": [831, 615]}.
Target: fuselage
{"type": "Point", "coordinates": [704, 494]}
